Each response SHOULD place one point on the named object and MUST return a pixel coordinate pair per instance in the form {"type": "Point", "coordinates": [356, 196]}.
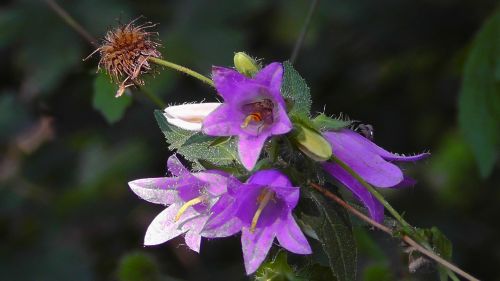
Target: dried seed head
{"type": "Point", "coordinates": [125, 51]}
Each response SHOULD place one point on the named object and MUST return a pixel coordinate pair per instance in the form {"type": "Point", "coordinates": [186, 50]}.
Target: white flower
{"type": "Point", "coordinates": [189, 116]}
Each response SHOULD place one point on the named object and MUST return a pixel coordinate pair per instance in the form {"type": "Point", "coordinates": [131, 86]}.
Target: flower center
{"type": "Point", "coordinates": [263, 199]}
{"type": "Point", "coordinates": [188, 204]}
{"type": "Point", "coordinates": [258, 113]}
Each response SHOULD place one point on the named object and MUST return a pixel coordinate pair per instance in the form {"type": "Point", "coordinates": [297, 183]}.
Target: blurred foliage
{"type": "Point", "coordinates": [111, 107]}
{"type": "Point", "coordinates": [479, 101]}
{"type": "Point", "coordinates": [66, 212]}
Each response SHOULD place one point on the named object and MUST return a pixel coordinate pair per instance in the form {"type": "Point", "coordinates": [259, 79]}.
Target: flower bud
{"type": "Point", "coordinates": [312, 144]}
{"type": "Point", "coordinates": [245, 64]}
{"type": "Point", "coordinates": [189, 116]}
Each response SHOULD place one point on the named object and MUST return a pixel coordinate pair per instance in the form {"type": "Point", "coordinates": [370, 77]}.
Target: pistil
{"type": "Point", "coordinates": [263, 199]}
{"type": "Point", "coordinates": [188, 204]}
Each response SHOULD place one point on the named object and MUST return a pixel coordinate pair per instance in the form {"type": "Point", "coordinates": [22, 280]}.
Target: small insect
{"type": "Point", "coordinates": [260, 112]}
{"type": "Point", "coordinates": [365, 129]}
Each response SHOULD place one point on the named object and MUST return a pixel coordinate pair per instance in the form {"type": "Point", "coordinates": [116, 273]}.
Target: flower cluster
{"type": "Point", "coordinates": [260, 203]}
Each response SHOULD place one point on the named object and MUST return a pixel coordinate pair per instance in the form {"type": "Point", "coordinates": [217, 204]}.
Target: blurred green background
{"type": "Point", "coordinates": [66, 212]}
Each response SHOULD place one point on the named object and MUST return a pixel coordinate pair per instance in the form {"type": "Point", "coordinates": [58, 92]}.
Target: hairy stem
{"type": "Point", "coordinates": [183, 69]}
{"type": "Point", "coordinates": [407, 239]}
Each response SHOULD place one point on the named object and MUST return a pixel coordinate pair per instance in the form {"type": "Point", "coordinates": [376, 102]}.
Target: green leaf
{"type": "Point", "coordinates": [294, 88]}
{"type": "Point", "coordinates": [479, 101]}
{"type": "Point", "coordinates": [324, 122]}
{"type": "Point", "coordinates": [443, 247]}
{"type": "Point", "coordinates": [175, 136]}
{"type": "Point", "coordinates": [104, 99]}
{"type": "Point", "coordinates": [277, 269]}
{"type": "Point", "coordinates": [333, 228]}
{"type": "Point", "coordinates": [377, 272]}
{"type": "Point", "coordinates": [219, 141]}
{"type": "Point", "coordinates": [195, 146]}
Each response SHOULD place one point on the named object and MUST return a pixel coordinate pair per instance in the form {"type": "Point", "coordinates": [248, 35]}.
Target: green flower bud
{"type": "Point", "coordinates": [245, 64]}
{"type": "Point", "coordinates": [312, 144]}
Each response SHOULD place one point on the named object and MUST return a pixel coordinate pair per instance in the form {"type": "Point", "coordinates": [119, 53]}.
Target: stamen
{"type": "Point", "coordinates": [188, 204]}
{"type": "Point", "coordinates": [263, 199]}
{"type": "Point", "coordinates": [252, 117]}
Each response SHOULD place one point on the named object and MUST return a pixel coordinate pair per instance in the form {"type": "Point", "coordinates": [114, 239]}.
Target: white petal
{"type": "Point", "coordinates": [189, 116]}
{"type": "Point", "coordinates": [155, 190]}
{"type": "Point", "coordinates": [163, 227]}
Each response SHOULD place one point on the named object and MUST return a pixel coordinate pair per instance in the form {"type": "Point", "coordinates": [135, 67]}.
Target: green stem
{"type": "Point", "coordinates": [183, 69]}
{"type": "Point", "coordinates": [406, 226]}
{"type": "Point", "coordinates": [71, 22]}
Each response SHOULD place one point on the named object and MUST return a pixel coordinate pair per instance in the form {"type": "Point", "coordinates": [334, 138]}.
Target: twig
{"type": "Point", "coordinates": [389, 231]}
{"type": "Point", "coordinates": [303, 32]}
{"type": "Point", "coordinates": [182, 69]}
{"type": "Point", "coordinates": [71, 22]}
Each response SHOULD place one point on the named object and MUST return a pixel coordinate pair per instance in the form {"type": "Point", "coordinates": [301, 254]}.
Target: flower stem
{"type": "Point", "coordinates": [406, 226]}
{"type": "Point", "coordinates": [389, 231]}
{"type": "Point", "coordinates": [183, 69]}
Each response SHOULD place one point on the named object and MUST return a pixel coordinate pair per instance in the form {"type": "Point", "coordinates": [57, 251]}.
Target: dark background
{"type": "Point", "coordinates": [66, 212]}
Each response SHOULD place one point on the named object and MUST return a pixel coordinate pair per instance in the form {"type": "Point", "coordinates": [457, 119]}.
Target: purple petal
{"type": "Point", "coordinates": [249, 148]}
{"type": "Point", "coordinates": [193, 241]}
{"type": "Point", "coordinates": [370, 166]}
{"type": "Point", "coordinates": [282, 123]}
{"type": "Point", "coordinates": [406, 182]}
{"type": "Point", "coordinates": [382, 152]}
{"type": "Point", "coordinates": [163, 227]}
{"type": "Point", "coordinates": [374, 207]}
{"type": "Point", "coordinates": [224, 121]}
{"type": "Point", "coordinates": [194, 225]}
{"type": "Point", "coordinates": [223, 221]}
{"type": "Point", "coordinates": [156, 190]}
{"type": "Point", "coordinates": [175, 166]}
{"type": "Point", "coordinates": [217, 182]}
{"type": "Point", "coordinates": [227, 82]}
{"type": "Point", "coordinates": [271, 76]}
{"type": "Point", "coordinates": [269, 178]}
{"type": "Point", "coordinates": [279, 183]}
{"type": "Point", "coordinates": [190, 191]}
{"type": "Point", "coordinates": [255, 246]}
{"type": "Point", "coordinates": [291, 237]}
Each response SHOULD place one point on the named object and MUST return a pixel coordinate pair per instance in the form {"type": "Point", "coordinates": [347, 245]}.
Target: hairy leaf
{"type": "Point", "coordinates": [327, 123]}
{"type": "Point", "coordinates": [295, 88]}
{"type": "Point", "coordinates": [443, 247]}
{"type": "Point", "coordinates": [479, 101]}
{"type": "Point", "coordinates": [333, 228]}
{"type": "Point", "coordinates": [195, 146]}
{"type": "Point", "coordinates": [277, 269]}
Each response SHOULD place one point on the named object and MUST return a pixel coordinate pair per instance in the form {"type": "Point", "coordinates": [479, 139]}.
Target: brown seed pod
{"type": "Point", "coordinates": [125, 51]}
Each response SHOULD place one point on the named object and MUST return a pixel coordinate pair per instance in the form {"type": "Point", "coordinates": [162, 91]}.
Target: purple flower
{"type": "Point", "coordinates": [253, 109]}
{"type": "Point", "coordinates": [262, 209]}
{"type": "Point", "coordinates": [371, 162]}
{"type": "Point", "coordinates": [189, 196]}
